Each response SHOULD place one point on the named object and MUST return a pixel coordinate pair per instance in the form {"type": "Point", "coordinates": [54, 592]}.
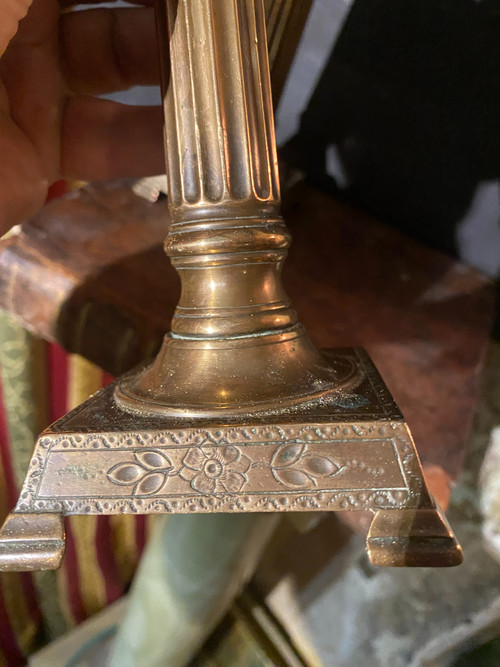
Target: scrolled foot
{"type": "Point", "coordinates": [32, 542]}
{"type": "Point", "coordinates": [412, 538]}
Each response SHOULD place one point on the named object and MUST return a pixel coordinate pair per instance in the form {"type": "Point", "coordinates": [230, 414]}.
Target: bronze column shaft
{"type": "Point", "coordinates": [227, 239]}
{"type": "Point", "coordinates": [236, 344]}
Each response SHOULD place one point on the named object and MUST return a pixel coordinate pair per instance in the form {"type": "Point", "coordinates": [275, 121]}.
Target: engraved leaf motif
{"type": "Point", "coordinates": [287, 455]}
{"type": "Point", "coordinates": [125, 473]}
{"type": "Point", "coordinates": [318, 466]}
{"type": "Point", "coordinates": [293, 477]}
{"type": "Point", "coordinates": [154, 460]}
{"type": "Point", "coordinates": [150, 484]}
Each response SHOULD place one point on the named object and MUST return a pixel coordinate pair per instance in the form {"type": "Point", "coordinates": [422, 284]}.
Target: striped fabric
{"type": "Point", "coordinates": [39, 383]}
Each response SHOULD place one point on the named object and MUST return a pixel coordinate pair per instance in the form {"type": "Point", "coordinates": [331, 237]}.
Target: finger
{"type": "Point", "coordinates": [11, 12]}
{"type": "Point", "coordinates": [105, 50]}
{"type": "Point", "coordinates": [69, 4]}
{"type": "Point", "coordinates": [23, 186]}
{"type": "Point", "coordinates": [103, 139]}
{"type": "Point", "coordinates": [30, 72]}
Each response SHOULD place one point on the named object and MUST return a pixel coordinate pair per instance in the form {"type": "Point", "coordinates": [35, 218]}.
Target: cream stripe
{"type": "Point", "coordinates": [84, 378]}
{"type": "Point", "coordinates": [124, 545]}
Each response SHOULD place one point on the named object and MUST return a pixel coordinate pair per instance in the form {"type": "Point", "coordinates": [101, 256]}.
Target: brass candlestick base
{"type": "Point", "coordinates": [350, 451]}
{"type": "Point", "coordinates": [239, 412]}
{"type": "Point", "coordinates": [236, 376]}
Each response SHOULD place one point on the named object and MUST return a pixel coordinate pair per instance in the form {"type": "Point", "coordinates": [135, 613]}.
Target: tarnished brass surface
{"type": "Point", "coordinates": [236, 345]}
{"type": "Point", "coordinates": [351, 452]}
{"type": "Point", "coordinates": [32, 541]}
{"type": "Point", "coordinates": [412, 538]}
{"type": "Point", "coordinates": [239, 412]}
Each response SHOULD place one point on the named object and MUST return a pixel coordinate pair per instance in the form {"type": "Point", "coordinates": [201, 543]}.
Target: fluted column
{"type": "Point", "coordinates": [221, 152]}
{"type": "Point", "coordinates": [227, 239]}
{"type": "Point", "coordinates": [236, 346]}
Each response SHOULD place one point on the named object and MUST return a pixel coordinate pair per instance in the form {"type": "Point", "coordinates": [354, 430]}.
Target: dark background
{"type": "Point", "coordinates": [410, 99]}
{"type": "Point", "coordinates": [410, 96]}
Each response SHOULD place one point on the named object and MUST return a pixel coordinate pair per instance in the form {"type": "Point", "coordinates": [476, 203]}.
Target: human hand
{"type": "Point", "coordinates": [53, 63]}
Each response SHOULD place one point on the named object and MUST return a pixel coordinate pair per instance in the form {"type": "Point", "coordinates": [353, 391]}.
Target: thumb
{"type": "Point", "coordinates": [11, 12]}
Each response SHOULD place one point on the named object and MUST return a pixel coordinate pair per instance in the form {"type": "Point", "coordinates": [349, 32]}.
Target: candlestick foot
{"type": "Point", "coordinates": [31, 541]}
{"type": "Point", "coordinates": [236, 376]}
{"type": "Point", "coordinates": [412, 538]}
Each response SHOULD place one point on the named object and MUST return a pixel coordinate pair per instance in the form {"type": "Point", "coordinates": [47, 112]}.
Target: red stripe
{"type": "Point", "coordinates": [140, 533]}
{"type": "Point", "coordinates": [107, 378]}
{"type": "Point", "coordinates": [10, 648]}
{"type": "Point", "coordinates": [106, 559]}
{"type": "Point", "coordinates": [31, 597]}
{"type": "Point", "coordinates": [73, 577]}
{"type": "Point", "coordinates": [57, 189]}
{"type": "Point", "coordinates": [58, 375]}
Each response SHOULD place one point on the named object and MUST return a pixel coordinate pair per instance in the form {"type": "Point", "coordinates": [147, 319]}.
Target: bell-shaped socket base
{"type": "Point", "coordinates": [200, 377]}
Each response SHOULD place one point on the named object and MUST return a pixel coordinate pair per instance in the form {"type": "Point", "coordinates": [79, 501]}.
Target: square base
{"type": "Point", "coordinates": [349, 452]}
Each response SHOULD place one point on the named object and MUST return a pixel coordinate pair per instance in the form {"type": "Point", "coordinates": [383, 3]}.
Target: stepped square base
{"type": "Point", "coordinates": [347, 451]}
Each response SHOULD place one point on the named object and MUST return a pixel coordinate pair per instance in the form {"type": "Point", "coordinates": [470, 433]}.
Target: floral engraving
{"type": "Point", "coordinates": [294, 467]}
{"type": "Point", "coordinates": [148, 475]}
{"type": "Point", "coordinates": [179, 471]}
{"type": "Point", "coordinates": [215, 469]}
